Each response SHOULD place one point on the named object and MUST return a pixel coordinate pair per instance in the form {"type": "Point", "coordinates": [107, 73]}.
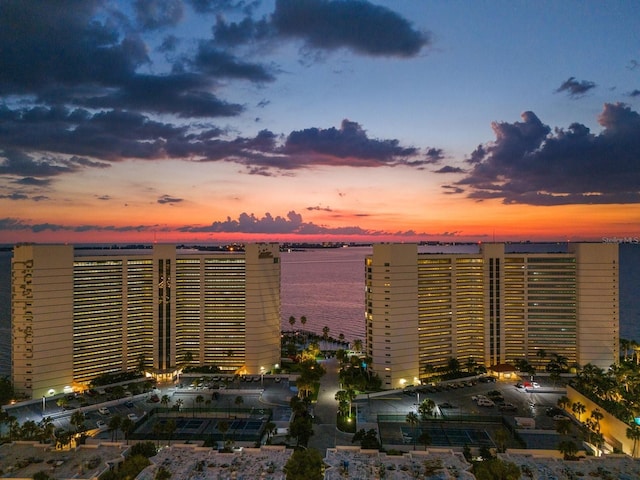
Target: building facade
{"type": "Point", "coordinates": [76, 315]}
{"type": "Point", "coordinates": [491, 307]}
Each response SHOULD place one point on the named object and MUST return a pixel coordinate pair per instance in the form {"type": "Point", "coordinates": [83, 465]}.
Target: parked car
{"type": "Point", "coordinates": [133, 417]}
{"type": "Point", "coordinates": [485, 402]}
{"type": "Point", "coordinates": [553, 411]}
{"type": "Point", "coordinates": [104, 411]}
{"type": "Point", "coordinates": [508, 407]}
{"type": "Point", "coordinates": [101, 425]}
{"type": "Point", "coordinates": [447, 405]}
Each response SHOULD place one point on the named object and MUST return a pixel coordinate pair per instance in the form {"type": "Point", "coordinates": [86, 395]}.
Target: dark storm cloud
{"type": "Point", "coordinates": [634, 93]}
{"type": "Point", "coordinates": [576, 88]}
{"type": "Point", "coordinates": [328, 25]}
{"type": "Point", "coordinates": [530, 164]}
{"type": "Point", "coordinates": [154, 14]}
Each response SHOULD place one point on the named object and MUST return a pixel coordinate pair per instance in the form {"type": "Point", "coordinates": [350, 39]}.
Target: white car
{"type": "Point", "coordinates": [101, 425]}
{"type": "Point", "coordinates": [133, 417]}
{"type": "Point", "coordinates": [103, 411]}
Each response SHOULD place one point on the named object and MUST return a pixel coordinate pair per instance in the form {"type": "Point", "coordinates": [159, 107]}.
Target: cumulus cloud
{"type": "Point", "coordinates": [449, 169]}
{"type": "Point", "coordinates": [532, 164]}
{"type": "Point", "coordinates": [327, 25]}
{"type": "Point", "coordinates": [576, 88]}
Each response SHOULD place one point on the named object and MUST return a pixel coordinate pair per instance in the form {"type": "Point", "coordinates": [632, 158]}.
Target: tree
{"type": "Point", "coordinates": [170, 427]}
{"type": "Point", "coordinates": [453, 365]}
{"type": "Point", "coordinates": [501, 438]}
{"type": "Point", "coordinates": [633, 433]}
{"type": "Point", "coordinates": [223, 428]}
{"type": "Point", "coordinates": [305, 464]}
{"type": "Point", "coordinates": [165, 401]}
{"type": "Point", "coordinates": [425, 409]}
{"type": "Point", "coordinates": [564, 402]}
{"type": "Point", "coordinates": [199, 401]}
{"type": "Point", "coordinates": [114, 425]}
{"type": "Point", "coordinates": [578, 409]}
{"type": "Point", "coordinates": [413, 421]}
{"type": "Point", "coordinates": [496, 469]}
{"type": "Point", "coordinates": [425, 439]}
{"type": "Point", "coordinates": [270, 429]}
{"type": "Point", "coordinates": [357, 345]}
{"type": "Point", "coordinates": [301, 429]}
{"type": "Point", "coordinates": [127, 426]}
{"type": "Point", "coordinates": [292, 321]}
{"type": "Point", "coordinates": [6, 390]}
{"type": "Point", "coordinates": [568, 448]}
{"type": "Point", "coordinates": [368, 439]}
{"type": "Point", "coordinates": [77, 420]}
{"type": "Point", "coordinates": [239, 401]}
{"type": "Point", "coordinates": [158, 430]}
{"type": "Point", "coordinates": [325, 335]}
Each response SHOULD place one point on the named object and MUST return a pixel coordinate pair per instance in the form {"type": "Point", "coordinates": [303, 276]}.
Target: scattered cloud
{"type": "Point", "coordinates": [327, 25]}
{"type": "Point", "coordinates": [164, 199]}
{"type": "Point", "coordinates": [575, 88]}
{"type": "Point", "coordinates": [531, 164]}
{"type": "Point", "coordinates": [634, 93]}
{"type": "Point", "coordinates": [449, 169]}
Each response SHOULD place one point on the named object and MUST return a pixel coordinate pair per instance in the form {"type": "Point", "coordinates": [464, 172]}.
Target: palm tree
{"type": "Point", "coordinates": [325, 336]}
{"type": "Point", "coordinates": [270, 429]}
{"type": "Point", "coordinates": [564, 402]}
{"type": "Point", "coordinates": [165, 401]}
{"type": "Point", "coordinates": [223, 428]}
{"type": "Point", "coordinates": [114, 424]}
{"type": "Point", "coordinates": [127, 427]}
{"type": "Point", "coordinates": [199, 401]}
{"type": "Point", "coordinates": [633, 433]}
{"type": "Point", "coordinates": [413, 421]}
{"type": "Point", "coordinates": [292, 321]}
{"type": "Point", "coordinates": [501, 438]}
{"type": "Point", "coordinates": [624, 346]}
{"type": "Point", "coordinates": [578, 409]}
{"type": "Point", "coordinates": [239, 401]}
{"type": "Point", "coordinates": [48, 429]}
{"type": "Point", "coordinates": [170, 427]}
{"type": "Point", "coordinates": [77, 420]}
{"type": "Point", "coordinates": [568, 449]}
{"type": "Point", "coordinates": [158, 429]}
{"type": "Point", "coordinates": [357, 345]}
{"type": "Point", "coordinates": [425, 439]}
{"type": "Point", "coordinates": [597, 415]}
{"type": "Point", "coordinates": [425, 409]}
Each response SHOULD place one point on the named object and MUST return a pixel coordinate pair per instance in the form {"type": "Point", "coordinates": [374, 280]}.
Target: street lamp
{"type": "Point", "coordinates": [262, 376]}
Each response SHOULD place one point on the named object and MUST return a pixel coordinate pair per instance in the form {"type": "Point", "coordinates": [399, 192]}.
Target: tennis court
{"type": "Point", "coordinates": [449, 437]}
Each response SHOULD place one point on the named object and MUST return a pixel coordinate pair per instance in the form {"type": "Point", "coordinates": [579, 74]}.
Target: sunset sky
{"type": "Point", "coordinates": [307, 120]}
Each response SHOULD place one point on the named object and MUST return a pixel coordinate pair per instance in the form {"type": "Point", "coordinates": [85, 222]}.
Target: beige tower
{"type": "Point", "coordinates": [42, 312]}
{"type": "Point", "coordinates": [78, 317]}
{"type": "Point", "coordinates": [392, 313]}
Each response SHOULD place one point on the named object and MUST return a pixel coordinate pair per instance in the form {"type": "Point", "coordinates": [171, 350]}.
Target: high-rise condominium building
{"type": "Point", "coordinates": [491, 307]}
{"type": "Point", "coordinates": [76, 315]}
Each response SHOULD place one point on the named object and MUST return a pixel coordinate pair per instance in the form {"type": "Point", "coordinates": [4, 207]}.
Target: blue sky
{"type": "Point", "coordinates": [233, 119]}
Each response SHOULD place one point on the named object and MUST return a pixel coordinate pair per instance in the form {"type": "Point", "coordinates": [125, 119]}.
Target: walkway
{"type": "Point", "coordinates": [325, 434]}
